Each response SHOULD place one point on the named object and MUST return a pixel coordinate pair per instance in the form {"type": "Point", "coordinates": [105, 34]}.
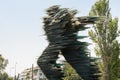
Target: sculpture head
{"type": "Point", "coordinates": [51, 11]}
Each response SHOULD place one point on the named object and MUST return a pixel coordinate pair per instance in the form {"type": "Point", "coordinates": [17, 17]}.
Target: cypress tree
{"type": "Point", "coordinates": [104, 36]}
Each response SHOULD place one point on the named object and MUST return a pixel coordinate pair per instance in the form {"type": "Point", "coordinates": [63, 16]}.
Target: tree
{"type": "Point", "coordinates": [27, 76]}
{"type": "Point", "coordinates": [104, 36]}
{"type": "Point", "coordinates": [70, 73]}
{"type": "Point", "coordinates": [3, 64]}
{"type": "Point", "coordinates": [4, 76]}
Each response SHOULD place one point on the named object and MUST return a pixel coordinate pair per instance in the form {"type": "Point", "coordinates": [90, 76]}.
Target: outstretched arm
{"type": "Point", "coordinates": [79, 22]}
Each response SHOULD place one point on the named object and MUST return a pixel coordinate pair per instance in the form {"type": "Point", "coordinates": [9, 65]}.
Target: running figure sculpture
{"type": "Point", "coordinates": [61, 28]}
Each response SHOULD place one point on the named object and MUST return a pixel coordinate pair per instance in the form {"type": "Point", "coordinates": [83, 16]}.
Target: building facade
{"type": "Point", "coordinates": [34, 73]}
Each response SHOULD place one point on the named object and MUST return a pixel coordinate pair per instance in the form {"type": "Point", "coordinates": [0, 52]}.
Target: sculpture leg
{"type": "Point", "coordinates": [78, 61]}
{"type": "Point", "coordinates": [47, 63]}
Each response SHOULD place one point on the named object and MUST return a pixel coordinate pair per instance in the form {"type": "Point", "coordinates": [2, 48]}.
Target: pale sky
{"type": "Point", "coordinates": [21, 33]}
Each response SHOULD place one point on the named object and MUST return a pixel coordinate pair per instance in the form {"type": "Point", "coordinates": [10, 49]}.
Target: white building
{"type": "Point", "coordinates": [28, 74]}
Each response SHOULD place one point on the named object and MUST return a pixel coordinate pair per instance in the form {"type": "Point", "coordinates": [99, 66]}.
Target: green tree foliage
{"type": "Point", "coordinates": [70, 73]}
{"type": "Point", "coordinates": [104, 36]}
{"type": "Point", "coordinates": [27, 76]}
{"type": "Point", "coordinates": [4, 76]}
{"type": "Point", "coordinates": [3, 64]}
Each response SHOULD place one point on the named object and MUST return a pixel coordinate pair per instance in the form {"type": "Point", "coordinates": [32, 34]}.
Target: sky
{"type": "Point", "coordinates": [22, 37]}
